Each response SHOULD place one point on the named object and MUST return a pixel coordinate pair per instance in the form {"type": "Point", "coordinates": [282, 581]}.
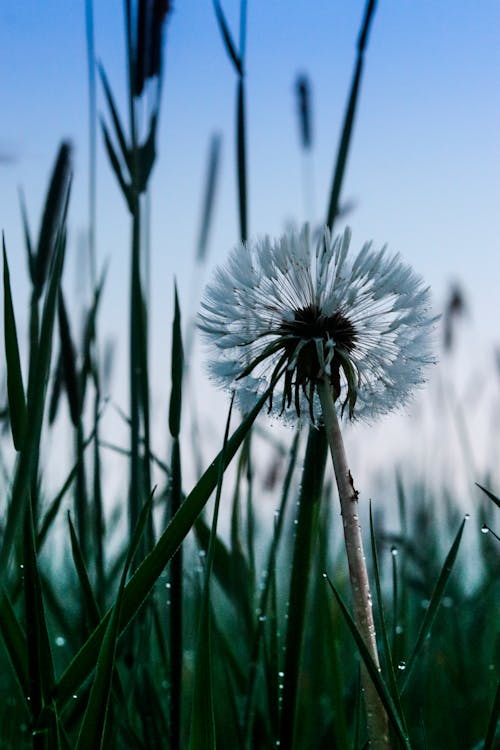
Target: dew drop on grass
{"type": "Point", "coordinates": [394, 551]}
{"type": "Point", "coordinates": [281, 675]}
{"type": "Point", "coordinates": [74, 696]}
{"type": "Point", "coordinates": [447, 601]}
{"type": "Point", "coordinates": [402, 666]}
{"type": "Point", "coordinates": [467, 516]}
{"type": "Point", "coordinates": [484, 529]}
{"type": "Point", "coordinates": [399, 629]}
{"type": "Point", "coordinates": [60, 641]}
{"type": "Point", "coordinates": [168, 585]}
{"type": "Point", "coordinates": [262, 618]}
{"type": "Point", "coordinates": [424, 603]}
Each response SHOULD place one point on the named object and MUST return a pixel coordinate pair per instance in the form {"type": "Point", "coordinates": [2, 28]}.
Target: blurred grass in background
{"type": "Point", "coordinates": [177, 636]}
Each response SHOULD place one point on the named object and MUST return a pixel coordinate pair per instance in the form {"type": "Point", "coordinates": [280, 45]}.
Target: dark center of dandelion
{"type": "Point", "coordinates": [301, 334]}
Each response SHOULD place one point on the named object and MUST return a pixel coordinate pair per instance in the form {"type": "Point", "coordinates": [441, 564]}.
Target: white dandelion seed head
{"type": "Point", "coordinates": [276, 311]}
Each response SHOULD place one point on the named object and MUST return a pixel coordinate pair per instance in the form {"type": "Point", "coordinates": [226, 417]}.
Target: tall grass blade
{"type": "Point", "coordinates": [242, 164]}
{"type": "Point", "coordinates": [93, 615]}
{"type": "Point", "coordinates": [92, 730]}
{"type": "Point", "coordinates": [347, 129]}
{"type": "Point", "coordinates": [14, 641]}
{"type": "Point", "coordinates": [382, 690]}
{"type": "Point", "coordinates": [491, 732]}
{"type": "Point", "coordinates": [434, 603]}
{"type": "Point", "coordinates": [115, 164]}
{"type": "Point", "coordinates": [53, 215]}
{"type": "Point", "coordinates": [68, 360]}
{"type": "Point", "coordinates": [209, 197]}
{"type": "Point", "coordinates": [226, 36]}
{"type": "Point", "coordinates": [115, 117]}
{"type": "Point", "coordinates": [309, 502]}
{"type": "Point", "coordinates": [492, 497]}
{"type": "Point", "coordinates": [35, 408]}
{"type": "Point", "coordinates": [202, 730]}
{"type": "Point", "coordinates": [15, 387]}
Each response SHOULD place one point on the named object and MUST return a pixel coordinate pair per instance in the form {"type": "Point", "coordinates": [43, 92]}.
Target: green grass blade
{"type": "Point", "coordinates": [213, 169]}
{"type": "Point", "coordinates": [241, 158]}
{"type": "Point", "coordinates": [202, 729]}
{"type": "Point", "coordinates": [68, 361]}
{"type": "Point", "coordinates": [53, 215]}
{"type": "Point", "coordinates": [36, 403]}
{"type": "Point", "coordinates": [382, 690]}
{"type": "Point", "coordinates": [27, 237]}
{"type": "Point", "coordinates": [491, 731]}
{"type": "Point", "coordinates": [91, 606]}
{"type": "Point", "coordinates": [492, 497]}
{"type": "Point", "coordinates": [15, 387]}
{"type": "Point", "coordinates": [348, 124]}
{"type": "Point", "coordinates": [393, 685]}
{"type": "Point", "coordinates": [119, 132]}
{"type": "Point", "coordinates": [92, 729]}
{"type": "Point", "coordinates": [305, 533]}
{"type": "Point", "coordinates": [115, 164]}
{"type": "Point", "coordinates": [434, 603]}
{"type": "Point", "coordinates": [152, 566]}
{"type": "Point", "coordinates": [41, 669]}
{"type": "Point", "coordinates": [174, 414]}
{"type": "Point", "coordinates": [226, 36]}
{"type": "Point", "coordinates": [14, 641]}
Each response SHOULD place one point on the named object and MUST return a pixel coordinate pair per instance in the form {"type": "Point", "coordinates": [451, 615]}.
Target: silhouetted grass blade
{"type": "Point", "coordinates": [177, 368]}
{"type": "Point", "coordinates": [226, 35]}
{"type": "Point", "coordinates": [14, 641]}
{"type": "Point", "coordinates": [490, 494]}
{"type": "Point", "coordinates": [15, 387]}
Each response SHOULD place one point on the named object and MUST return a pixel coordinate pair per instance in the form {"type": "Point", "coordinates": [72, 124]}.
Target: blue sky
{"type": "Point", "coordinates": [423, 169]}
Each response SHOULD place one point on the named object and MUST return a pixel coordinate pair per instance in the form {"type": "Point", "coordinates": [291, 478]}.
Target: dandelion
{"type": "Point", "coordinates": [337, 335]}
{"type": "Point", "coordinates": [361, 324]}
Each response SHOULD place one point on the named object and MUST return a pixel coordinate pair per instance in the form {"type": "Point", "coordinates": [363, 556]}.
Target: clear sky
{"type": "Point", "coordinates": [423, 169]}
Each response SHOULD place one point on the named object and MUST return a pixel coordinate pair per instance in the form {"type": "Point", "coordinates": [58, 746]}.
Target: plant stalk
{"type": "Point", "coordinates": [376, 717]}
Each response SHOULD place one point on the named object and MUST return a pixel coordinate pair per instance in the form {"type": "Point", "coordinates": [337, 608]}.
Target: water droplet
{"type": "Point", "coordinates": [399, 629]}
{"type": "Point", "coordinates": [74, 696]}
{"type": "Point", "coordinates": [424, 603]}
{"type": "Point", "coordinates": [295, 521]}
{"type": "Point", "coordinates": [467, 516]}
{"type": "Point", "coordinates": [281, 674]}
{"type": "Point", "coordinates": [448, 601]}
{"type": "Point", "coordinates": [21, 566]}
{"type": "Point", "coordinates": [484, 529]}
{"type": "Point", "coordinates": [402, 666]}
{"type": "Point", "coordinates": [201, 553]}
{"type": "Point", "coordinates": [394, 551]}
{"type": "Point", "coordinates": [324, 575]}
{"type": "Point", "coordinates": [280, 686]}
{"type": "Point", "coordinates": [262, 618]}
{"type": "Point", "coordinates": [168, 585]}
{"type": "Point", "coordinates": [60, 641]}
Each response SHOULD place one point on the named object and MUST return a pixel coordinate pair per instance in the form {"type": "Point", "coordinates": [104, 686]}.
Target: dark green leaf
{"type": "Point", "coordinates": [115, 164]}
{"type": "Point", "coordinates": [68, 360]}
{"type": "Point", "coordinates": [15, 387]}
{"type": "Point", "coordinates": [119, 132]}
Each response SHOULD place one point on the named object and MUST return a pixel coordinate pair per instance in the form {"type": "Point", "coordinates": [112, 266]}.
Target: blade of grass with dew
{"type": "Point", "coordinates": [202, 724]}
{"type": "Point", "coordinates": [35, 408]}
{"type": "Point", "coordinates": [382, 689]}
{"type": "Point", "coordinates": [143, 580]}
{"type": "Point", "coordinates": [392, 682]}
{"type": "Point", "coordinates": [434, 603]}
{"type": "Point", "coordinates": [305, 531]}
{"type": "Point", "coordinates": [93, 726]}
{"type": "Point", "coordinates": [15, 387]}
{"type": "Point", "coordinates": [490, 494]}
{"type": "Point", "coordinates": [14, 640]}
{"type": "Point", "coordinates": [269, 571]}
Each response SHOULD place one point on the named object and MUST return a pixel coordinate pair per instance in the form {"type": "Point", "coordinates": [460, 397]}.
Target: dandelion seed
{"type": "Point", "coordinates": [273, 313]}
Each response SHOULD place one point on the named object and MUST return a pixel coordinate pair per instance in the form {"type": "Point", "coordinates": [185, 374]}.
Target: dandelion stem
{"type": "Point", "coordinates": [376, 718]}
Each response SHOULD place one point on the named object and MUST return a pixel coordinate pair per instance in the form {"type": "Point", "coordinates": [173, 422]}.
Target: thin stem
{"type": "Point", "coordinates": [376, 718]}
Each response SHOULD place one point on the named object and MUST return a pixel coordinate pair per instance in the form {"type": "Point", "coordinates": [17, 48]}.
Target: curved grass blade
{"type": "Point", "coordinates": [434, 603]}
{"type": "Point", "coordinates": [144, 578]}
{"type": "Point", "coordinates": [92, 729]}
{"type": "Point", "coordinates": [35, 408]}
{"type": "Point", "coordinates": [213, 169]}
{"type": "Point", "coordinates": [382, 690]}
{"type": "Point", "coordinates": [226, 35]}
{"type": "Point", "coordinates": [115, 164]}
{"type": "Point", "coordinates": [14, 641]}
{"type": "Point", "coordinates": [119, 132]}
{"type": "Point", "coordinates": [492, 497]}
{"type": "Point", "coordinates": [91, 606]}
{"type": "Point", "coordinates": [15, 387]}
{"type": "Point", "coordinates": [347, 128]}
{"type": "Point", "coordinates": [202, 731]}
{"type": "Point", "coordinates": [53, 215]}
{"type": "Point", "coordinates": [68, 361]}
{"type": "Point", "coordinates": [393, 685]}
